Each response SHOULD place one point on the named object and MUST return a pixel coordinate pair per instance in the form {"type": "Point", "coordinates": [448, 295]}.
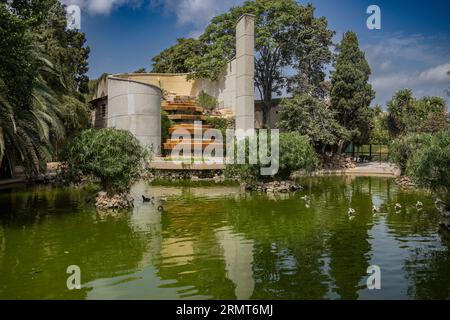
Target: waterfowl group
{"type": "Point", "coordinates": [151, 200]}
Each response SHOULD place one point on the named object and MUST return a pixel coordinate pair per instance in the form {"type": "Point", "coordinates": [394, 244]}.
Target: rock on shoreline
{"type": "Point", "coordinates": [405, 182]}
{"type": "Point", "coordinates": [274, 187]}
{"type": "Point", "coordinates": [113, 202]}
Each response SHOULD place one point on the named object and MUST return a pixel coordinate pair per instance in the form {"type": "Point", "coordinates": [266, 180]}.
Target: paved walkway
{"type": "Point", "coordinates": [363, 169]}
{"type": "Point", "coordinates": [367, 169]}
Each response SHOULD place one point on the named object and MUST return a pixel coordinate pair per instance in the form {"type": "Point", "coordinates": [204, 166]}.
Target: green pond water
{"type": "Point", "coordinates": [218, 243]}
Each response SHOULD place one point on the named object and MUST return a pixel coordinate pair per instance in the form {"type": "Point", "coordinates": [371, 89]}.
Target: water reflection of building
{"type": "Point", "coordinates": [182, 248]}
{"type": "Point", "coordinates": [238, 254]}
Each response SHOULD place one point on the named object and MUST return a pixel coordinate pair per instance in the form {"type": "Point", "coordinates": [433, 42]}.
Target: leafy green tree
{"type": "Point", "coordinates": [286, 32]}
{"type": "Point", "coordinates": [113, 156]}
{"type": "Point", "coordinates": [173, 59]}
{"type": "Point", "coordinates": [39, 89]}
{"type": "Point", "coordinates": [351, 93]}
{"type": "Point", "coordinates": [310, 53]}
{"type": "Point", "coordinates": [409, 115]}
{"type": "Point", "coordinates": [431, 165]}
{"type": "Point", "coordinates": [380, 132]}
{"type": "Point", "coordinates": [311, 117]}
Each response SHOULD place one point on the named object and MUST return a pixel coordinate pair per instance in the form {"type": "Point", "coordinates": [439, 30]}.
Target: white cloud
{"type": "Point", "coordinates": [103, 7]}
{"type": "Point", "coordinates": [196, 13]}
{"type": "Point", "coordinates": [416, 62]}
{"type": "Point", "coordinates": [432, 76]}
{"type": "Point", "coordinates": [437, 74]}
{"type": "Point", "coordinates": [429, 82]}
{"type": "Point", "coordinates": [193, 13]}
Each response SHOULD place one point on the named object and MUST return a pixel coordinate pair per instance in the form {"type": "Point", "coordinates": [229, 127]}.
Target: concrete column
{"type": "Point", "coordinates": [245, 72]}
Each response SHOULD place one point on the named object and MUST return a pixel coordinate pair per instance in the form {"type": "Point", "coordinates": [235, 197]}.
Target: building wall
{"type": "Point", "coordinates": [136, 107]}
{"type": "Point", "coordinates": [224, 89]}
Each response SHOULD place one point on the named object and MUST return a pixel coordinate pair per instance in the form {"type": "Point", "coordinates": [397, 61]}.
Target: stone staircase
{"type": "Point", "coordinates": [184, 112]}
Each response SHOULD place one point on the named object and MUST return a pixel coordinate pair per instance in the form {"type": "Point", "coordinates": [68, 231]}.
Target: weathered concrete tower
{"type": "Point", "coordinates": [245, 72]}
{"type": "Point", "coordinates": [136, 107]}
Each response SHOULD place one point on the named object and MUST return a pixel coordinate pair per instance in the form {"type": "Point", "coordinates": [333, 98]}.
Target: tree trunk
{"type": "Point", "coordinates": [340, 147]}
{"type": "Point", "coordinates": [267, 105]}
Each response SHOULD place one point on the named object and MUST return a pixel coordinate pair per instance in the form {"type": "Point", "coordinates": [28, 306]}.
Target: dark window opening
{"type": "Point", "coordinates": [103, 111]}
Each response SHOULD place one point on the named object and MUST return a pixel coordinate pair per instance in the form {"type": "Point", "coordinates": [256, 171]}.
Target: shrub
{"type": "Point", "coordinates": [166, 123]}
{"type": "Point", "coordinates": [113, 156]}
{"type": "Point", "coordinates": [405, 148]}
{"type": "Point", "coordinates": [296, 153]}
{"type": "Point", "coordinates": [431, 165]}
{"type": "Point", "coordinates": [206, 101]}
{"type": "Point", "coordinates": [221, 124]}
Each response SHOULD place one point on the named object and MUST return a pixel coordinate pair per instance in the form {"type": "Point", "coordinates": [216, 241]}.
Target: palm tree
{"type": "Point", "coordinates": [30, 132]}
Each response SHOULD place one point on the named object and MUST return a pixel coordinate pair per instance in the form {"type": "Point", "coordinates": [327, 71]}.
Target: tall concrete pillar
{"type": "Point", "coordinates": [245, 72]}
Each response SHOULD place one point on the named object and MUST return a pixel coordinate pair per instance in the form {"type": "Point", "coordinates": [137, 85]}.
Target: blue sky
{"type": "Point", "coordinates": [412, 49]}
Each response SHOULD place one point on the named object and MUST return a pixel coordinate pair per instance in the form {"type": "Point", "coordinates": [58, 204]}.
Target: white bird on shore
{"type": "Point", "coordinates": [351, 211]}
{"type": "Point", "coordinates": [398, 207]}
{"type": "Point", "coordinates": [419, 205]}
{"type": "Point", "coordinates": [375, 209]}
{"type": "Point", "coordinates": [304, 198]}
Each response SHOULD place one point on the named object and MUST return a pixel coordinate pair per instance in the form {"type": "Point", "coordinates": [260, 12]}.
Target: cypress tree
{"type": "Point", "coordinates": [351, 93]}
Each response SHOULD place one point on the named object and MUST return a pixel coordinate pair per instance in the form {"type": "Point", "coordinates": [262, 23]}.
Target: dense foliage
{"type": "Point", "coordinates": [166, 123]}
{"type": "Point", "coordinates": [408, 115]}
{"type": "Point", "coordinates": [312, 117]}
{"type": "Point", "coordinates": [426, 157]}
{"type": "Point", "coordinates": [295, 153]}
{"type": "Point", "coordinates": [405, 148]}
{"type": "Point", "coordinates": [431, 166]}
{"type": "Point", "coordinates": [42, 81]}
{"type": "Point", "coordinates": [351, 93]}
{"type": "Point", "coordinates": [113, 156]}
{"type": "Point", "coordinates": [174, 59]}
{"type": "Point", "coordinates": [206, 101]}
{"type": "Point", "coordinates": [221, 124]}
{"type": "Point", "coordinates": [380, 133]}
{"type": "Point", "coordinates": [287, 33]}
